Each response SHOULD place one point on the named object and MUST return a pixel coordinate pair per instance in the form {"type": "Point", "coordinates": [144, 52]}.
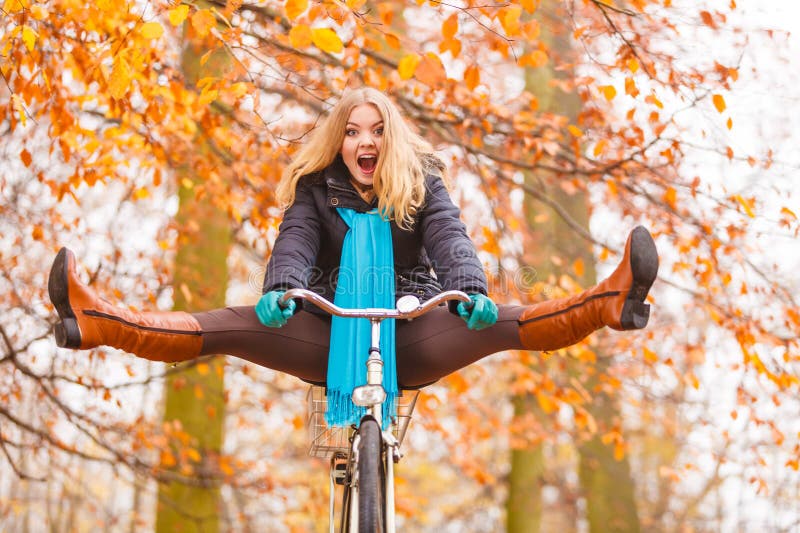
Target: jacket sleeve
{"type": "Point", "coordinates": [444, 236]}
{"type": "Point", "coordinates": [296, 247]}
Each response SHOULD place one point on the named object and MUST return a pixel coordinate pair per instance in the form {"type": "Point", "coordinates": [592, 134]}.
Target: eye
{"type": "Point", "coordinates": [350, 132]}
{"type": "Point", "coordinates": [379, 131]}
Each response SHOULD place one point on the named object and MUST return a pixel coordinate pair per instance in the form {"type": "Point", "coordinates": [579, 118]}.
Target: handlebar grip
{"type": "Point", "coordinates": [283, 301]}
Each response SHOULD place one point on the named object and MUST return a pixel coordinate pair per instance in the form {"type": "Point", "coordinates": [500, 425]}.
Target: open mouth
{"type": "Point", "coordinates": [367, 163]}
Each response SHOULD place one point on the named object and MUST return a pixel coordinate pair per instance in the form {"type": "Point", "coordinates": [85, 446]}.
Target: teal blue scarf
{"type": "Point", "coordinates": [366, 279]}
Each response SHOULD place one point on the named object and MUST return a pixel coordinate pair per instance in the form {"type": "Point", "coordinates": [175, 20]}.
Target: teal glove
{"type": "Point", "coordinates": [270, 313]}
{"type": "Point", "coordinates": [482, 315]}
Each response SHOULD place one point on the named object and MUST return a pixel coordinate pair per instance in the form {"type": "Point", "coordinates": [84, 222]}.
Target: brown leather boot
{"type": "Point", "coordinates": [87, 321]}
{"type": "Point", "coordinates": [617, 302]}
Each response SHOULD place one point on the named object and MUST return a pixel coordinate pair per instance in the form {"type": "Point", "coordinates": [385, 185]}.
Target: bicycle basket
{"type": "Point", "coordinates": [327, 441]}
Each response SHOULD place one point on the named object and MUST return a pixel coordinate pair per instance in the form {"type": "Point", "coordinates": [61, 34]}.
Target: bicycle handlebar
{"type": "Point", "coordinates": [408, 307]}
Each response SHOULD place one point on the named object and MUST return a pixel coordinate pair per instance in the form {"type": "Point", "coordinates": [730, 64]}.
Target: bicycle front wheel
{"type": "Point", "coordinates": [370, 478]}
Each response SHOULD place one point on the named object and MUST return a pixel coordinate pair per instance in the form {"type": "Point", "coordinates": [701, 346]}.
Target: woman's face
{"type": "Point", "coordinates": [362, 142]}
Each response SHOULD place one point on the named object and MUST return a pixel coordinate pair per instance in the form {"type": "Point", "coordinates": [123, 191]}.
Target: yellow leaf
{"type": "Point", "coordinates": [510, 20]}
{"type": "Point", "coordinates": [530, 5]}
{"type": "Point", "coordinates": [649, 355]}
{"type": "Point", "coordinates": [472, 77]}
{"type": "Point", "coordinates": [193, 454]}
{"type": "Point", "coordinates": [546, 402]}
{"type": "Point", "coordinates": [206, 97]}
{"type": "Point", "coordinates": [575, 130]}
{"type": "Point", "coordinates": [202, 22]}
{"type": "Point", "coordinates": [152, 30]}
{"type": "Point", "coordinates": [178, 15]}
{"type": "Point", "coordinates": [120, 80]}
{"type": "Point", "coordinates": [187, 183]}
{"type": "Point", "coordinates": [326, 40]}
{"type": "Point", "coordinates": [746, 205]}
{"type": "Point", "coordinates": [300, 36]}
{"type": "Point", "coordinates": [12, 6]}
{"type": "Point", "coordinates": [633, 64]}
{"type": "Point", "coordinates": [140, 193]}
{"type": "Point", "coordinates": [408, 65]}
{"type": "Point", "coordinates": [729, 124]}
{"type": "Point", "coordinates": [239, 89]}
{"type": "Point", "coordinates": [29, 37]}
{"type": "Point", "coordinates": [719, 102]}
{"type": "Point", "coordinates": [608, 91]}
{"type": "Point", "coordinates": [787, 211]}
{"type": "Point", "coordinates": [295, 8]}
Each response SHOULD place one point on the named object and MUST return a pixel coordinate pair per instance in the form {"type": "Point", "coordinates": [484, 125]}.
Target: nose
{"type": "Point", "coordinates": [367, 140]}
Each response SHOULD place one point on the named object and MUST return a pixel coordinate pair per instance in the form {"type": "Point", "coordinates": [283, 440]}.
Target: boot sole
{"type": "Point", "coordinates": [644, 267]}
{"type": "Point", "coordinates": [66, 330]}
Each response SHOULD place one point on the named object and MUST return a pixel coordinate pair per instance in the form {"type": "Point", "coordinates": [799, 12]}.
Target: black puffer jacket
{"type": "Point", "coordinates": [308, 248]}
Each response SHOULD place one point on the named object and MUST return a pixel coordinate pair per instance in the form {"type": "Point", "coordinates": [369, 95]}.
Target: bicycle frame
{"type": "Point", "coordinates": [371, 394]}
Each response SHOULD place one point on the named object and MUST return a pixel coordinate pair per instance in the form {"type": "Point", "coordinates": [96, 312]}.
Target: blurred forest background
{"type": "Point", "coordinates": [148, 136]}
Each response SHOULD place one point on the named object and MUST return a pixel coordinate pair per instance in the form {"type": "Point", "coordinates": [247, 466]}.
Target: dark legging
{"type": "Point", "coordinates": [428, 348]}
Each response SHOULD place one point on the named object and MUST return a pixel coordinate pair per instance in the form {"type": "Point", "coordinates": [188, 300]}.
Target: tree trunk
{"type": "Point", "coordinates": [194, 396]}
{"type": "Point", "coordinates": [606, 482]}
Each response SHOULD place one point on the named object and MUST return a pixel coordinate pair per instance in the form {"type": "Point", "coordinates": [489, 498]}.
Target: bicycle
{"type": "Point", "coordinates": [362, 457]}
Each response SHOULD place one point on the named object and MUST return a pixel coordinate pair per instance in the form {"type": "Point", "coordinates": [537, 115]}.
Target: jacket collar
{"type": "Point", "coordinates": [341, 192]}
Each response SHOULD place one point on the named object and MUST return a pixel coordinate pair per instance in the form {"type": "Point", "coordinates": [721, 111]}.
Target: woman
{"type": "Point", "coordinates": [362, 169]}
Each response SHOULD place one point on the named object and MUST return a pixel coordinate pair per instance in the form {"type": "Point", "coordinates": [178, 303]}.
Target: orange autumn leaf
{"type": "Point", "coordinates": [707, 19]}
{"type": "Point", "coordinates": [450, 27]}
{"type": "Point", "coordinates": [670, 197]}
{"type": "Point", "coordinates": [574, 130]}
{"type": "Point", "coordinates": [430, 70]}
{"type": "Point", "coordinates": [472, 77]}
{"type": "Point", "coordinates": [719, 102]}
{"type": "Point", "coordinates": [26, 158]}
{"type": "Point", "coordinates": [300, 36]}
{"type": "Point", "coordinates": [609, 91]}
{"type": "Point", "coordinates": [295, 8]}
{"type": "Point", "coordinates": [203, 21]}
{"type": "Point", "coordinates": [121, 77]}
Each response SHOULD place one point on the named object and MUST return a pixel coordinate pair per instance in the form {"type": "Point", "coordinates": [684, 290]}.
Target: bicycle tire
{"type": "Point", "coordinates": [370, 484]}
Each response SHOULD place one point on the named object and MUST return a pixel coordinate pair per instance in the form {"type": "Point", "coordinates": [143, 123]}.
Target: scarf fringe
{"type": "Point", "coordinates": [342, 412]}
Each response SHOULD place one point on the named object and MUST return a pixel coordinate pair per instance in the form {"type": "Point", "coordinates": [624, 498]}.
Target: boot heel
{"type": "Point", "coordinates": [635, 315]}
{"type": "Point", "coordinates": [67, 333]}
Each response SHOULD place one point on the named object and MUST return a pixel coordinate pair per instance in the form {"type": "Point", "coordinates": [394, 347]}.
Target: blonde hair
{"type": "Point", "coordinates": [403, 161]}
